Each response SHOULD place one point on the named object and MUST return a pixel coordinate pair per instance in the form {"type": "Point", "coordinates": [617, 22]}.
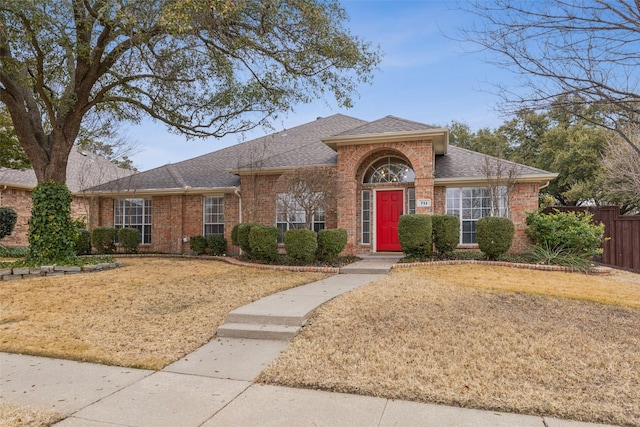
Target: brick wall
{"type": "Point", "coordinates": [522, 198]}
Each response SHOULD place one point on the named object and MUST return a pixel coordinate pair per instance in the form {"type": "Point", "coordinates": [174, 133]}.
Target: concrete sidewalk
{"type": "Point", "coordinates": [214, 385]}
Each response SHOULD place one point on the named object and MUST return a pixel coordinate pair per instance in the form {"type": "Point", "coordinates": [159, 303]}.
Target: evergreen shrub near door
{"type": "Point", "coordinates": [415, 235]}
{"type": "Point", "coordinates": [243, 237]}
{"type": "Point", "coordinates": [301, 245]}
{"type": "Point", "coordinates": [446, 233]}
{"type": "Point", "coordinates": [331, 241]}
{"type": "Point", "coordinates": [494, 235]}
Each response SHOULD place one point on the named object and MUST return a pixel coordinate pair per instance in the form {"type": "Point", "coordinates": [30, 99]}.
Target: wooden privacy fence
{"type": "Point", "coordinates": [622, 249]}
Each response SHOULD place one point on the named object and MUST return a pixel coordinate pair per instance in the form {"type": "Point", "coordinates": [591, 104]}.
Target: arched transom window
{"type": "Point", "coordinates": [389, 169]}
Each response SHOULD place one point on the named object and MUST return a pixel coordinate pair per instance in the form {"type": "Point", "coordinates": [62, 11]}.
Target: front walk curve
{"type": "Point", "coordinates": [214, 385]}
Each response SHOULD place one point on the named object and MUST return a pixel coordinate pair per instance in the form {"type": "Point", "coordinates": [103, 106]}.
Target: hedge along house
{"type": "Point", "coordinates": [384, 169]}
{"type": "Point", "coordinates": [84, 170]}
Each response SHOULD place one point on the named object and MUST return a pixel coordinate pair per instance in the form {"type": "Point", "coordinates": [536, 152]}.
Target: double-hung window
{"type": "Point", "coordinates": [290, 215]}
{"type": "Point", "coordinates": [213, 216]}
{"type": "Point", "coordinates": [472, 203]}
{"type": "Point", "coordinates": [134, 213]}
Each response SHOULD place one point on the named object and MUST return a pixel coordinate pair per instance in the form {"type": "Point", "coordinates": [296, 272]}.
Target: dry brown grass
{"type": "Point", "coordinates": [146, 314]}
{"type": "Point", "coordinates": [12, 415]}
{"type": "Point", "coordinates": [483, 337]}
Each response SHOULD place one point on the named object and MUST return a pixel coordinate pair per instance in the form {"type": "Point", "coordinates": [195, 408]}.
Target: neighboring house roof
{"type": "Point", "coordinates": [304, 145]}
{"type": "Point", "coordinates": [84, 170]}
{"type": "Point", "coordinates": [462, 165]}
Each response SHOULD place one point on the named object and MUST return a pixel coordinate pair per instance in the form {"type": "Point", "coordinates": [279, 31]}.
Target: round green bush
{"type": "Point", "coordinates": [571, 232]}
{"type": "Point", "coordinates": [198, 245]}
{"type": "Point", "coordinates": [243, 237]}
{"type": "Point", "coordinates": [494, 235]}
{"type": "Point", "coordinates": [8, 219]}
{"type": "Point", "coordinates": [263, 241]}
{"type": "Point", "coordinates": [83, 242]}
{"type": "Point", "coordinates": [331, 242]}
{"type": "Point", "coordinates": [129, 239]}
{"type": "Point", "coordinates": [301, 245]}
{"type": "Point", "coordinates": [103, 240]}
{"type": "Point", "coordinates": [446, 233]}
{"type": "Point", "coordinates": [216, 245]}
{"type": "Point", "coordinates": [415, 234]}
{"type": "Point", "coordinates": [51, 231]}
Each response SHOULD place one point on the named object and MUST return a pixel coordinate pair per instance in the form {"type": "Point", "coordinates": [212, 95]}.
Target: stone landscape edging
{"type": "Point", "coordinates": [16, 273]}
{"type": "Point", "coordinates": [595, 271]}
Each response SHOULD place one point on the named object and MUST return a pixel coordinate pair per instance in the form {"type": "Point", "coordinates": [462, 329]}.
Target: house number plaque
{"type": "Point", "coordinates": [423, 203]}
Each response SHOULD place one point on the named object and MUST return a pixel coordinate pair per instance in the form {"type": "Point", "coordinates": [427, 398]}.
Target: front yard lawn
{"type": "Point", "coordinates": [544, 343]}
{"type": "Point", "coordinates": [146, 314]}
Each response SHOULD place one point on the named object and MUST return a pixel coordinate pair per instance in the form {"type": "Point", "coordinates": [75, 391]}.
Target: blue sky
{"type": "Point", "coordinates": [424, 76]}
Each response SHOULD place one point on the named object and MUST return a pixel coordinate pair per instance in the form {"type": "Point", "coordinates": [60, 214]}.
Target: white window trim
{"type": "Point", "coordinates": [123, 223]}
{"type": "Point", "coordinates": [204, 213]}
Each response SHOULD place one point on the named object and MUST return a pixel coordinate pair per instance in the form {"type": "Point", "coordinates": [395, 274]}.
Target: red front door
{"type": "Point", "coordinates": [388, 210]}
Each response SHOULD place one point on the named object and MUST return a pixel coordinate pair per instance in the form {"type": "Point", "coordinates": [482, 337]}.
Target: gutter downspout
{"type": "Point", "coordinates": [236, 191]}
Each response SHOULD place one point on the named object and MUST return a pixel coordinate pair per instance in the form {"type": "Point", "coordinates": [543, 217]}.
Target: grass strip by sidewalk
{"type": "Point", "coordinates": [495, 338]}
{"type": "Point", "coordinates": [146, 314]}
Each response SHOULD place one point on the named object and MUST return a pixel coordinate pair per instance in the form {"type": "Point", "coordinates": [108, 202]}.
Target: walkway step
{"type": "Point", "coordinates": [265, 319]}
{"type": "Point", "coordinates": [365, 269]}
{"type": "Point", "coordinates": [261, 332]}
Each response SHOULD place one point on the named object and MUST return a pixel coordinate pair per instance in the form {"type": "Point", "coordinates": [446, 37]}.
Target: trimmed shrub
{"type": "Point", "coordinates": [8, 219]}
{"type": "Point", "coordinates": [415, 234]}
{"type": "Point", "coordinates": [216, 245]}
{"type": "Point", "coordinates": [301, 245]}
{"type": "Point", "coordinates": [51, 232]}
{"type": "Point", "coordinates": [494, 235]}
{"type": "Point", "coordinates": [129, 239]}
{"type": "Point", "coordinates": [83, 242]}
{"type": "Point", "coordinates": [198, 245]}
{"type": "Point", "coordinates": [571, 232]}
{"type": "Point", "coordinates": [234, 235]}
{"type": "Point", "coordinates": [263, 241]}
{"type": "Point", "coordinates": [331, 242]}
{"type": "Point", "coordinates": [446, 233]}
{"type": "Point", "coordinates": [103, 240]}
{"type": "Point", "coordinates": [243, 237]}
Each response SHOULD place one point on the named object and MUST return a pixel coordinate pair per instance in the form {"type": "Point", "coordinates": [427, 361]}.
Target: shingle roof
{"type": "Point", "coordinates": [298, 146]}
{"type": "Point", "coordinates": [84, 170]}
{"type": "Point", "coordinates": [462, 163]}
{"type": "Point", "coordinates": [388, 124]}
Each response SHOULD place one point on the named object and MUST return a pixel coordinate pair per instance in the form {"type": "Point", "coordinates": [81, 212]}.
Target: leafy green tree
{"type": "Point", "coordinates": [202, 67]}
{"type": "Point", "coordinates": [11, 153]}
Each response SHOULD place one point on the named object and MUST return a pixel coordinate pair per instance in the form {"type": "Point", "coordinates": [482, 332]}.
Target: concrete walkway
{"type": "Point", "coordinates": [214, 385]}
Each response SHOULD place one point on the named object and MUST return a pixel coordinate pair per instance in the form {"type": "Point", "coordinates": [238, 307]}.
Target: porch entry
{"type": "Point", "coordinates": [389, 204]}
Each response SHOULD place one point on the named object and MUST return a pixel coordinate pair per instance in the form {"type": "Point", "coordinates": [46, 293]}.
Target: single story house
{"type": "Point", "coordinates": [84, 170]}
{"type": "Point", "coordinates": [384, 168]}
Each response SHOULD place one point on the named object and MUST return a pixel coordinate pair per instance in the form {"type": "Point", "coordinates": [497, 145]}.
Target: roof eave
{"type": "Point", "coordinates": [481, 180]}
{"type": "Point", "coordinates": [162, 191]}
{"type": "Point", "coordinates": [275, 170]}
{"type": "Point", "coordinates": [439, 136]}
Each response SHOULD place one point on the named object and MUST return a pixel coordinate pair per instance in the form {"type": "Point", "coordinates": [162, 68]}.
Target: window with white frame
{"type": "Point", "coordinates": [213, 216]}
{"type": "Point", "coordinates": [411, 201]}
{"type": "Point", "coordinates": [366, 217]}
{"type": "Point", "coordinates": [290, 215]}
{"type": "Point", "coordinates": [134, 213]}
{"type": "Point", "coordinates": [472, 203]}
